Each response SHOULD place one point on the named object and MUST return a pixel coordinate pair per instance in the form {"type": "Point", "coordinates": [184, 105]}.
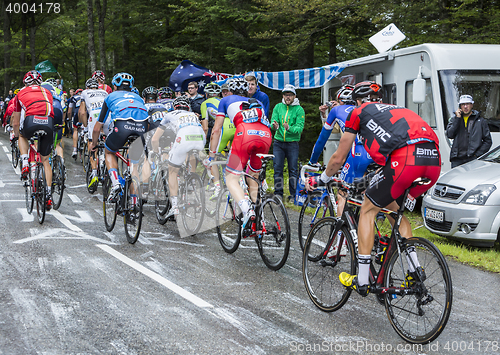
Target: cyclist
{"type": "Point", "coordinates": [99, 75]}
{"type": "Point", "coordinates": [189, 135]}
{"type": "Point", "coordinates": [91, 105]}
{"type": "Point", "coordinates": [59, 106]}
{"type": "Point", "coordinates": [73, 108]}
{"type": "Point", "coordinates": [166, 96]}
{"type": "Point", "coordinates": [252, 136]}
{"type": "Point", "coordinates": [35, 103]}
{"type": "Point", "coordinates": [127, 117]}
{"type": "Point", "coordinates": [209, 108]}
{"type": "Point", "coordinates": [406, 147]}
{"type": "Point", "coordinates": [358, 159]}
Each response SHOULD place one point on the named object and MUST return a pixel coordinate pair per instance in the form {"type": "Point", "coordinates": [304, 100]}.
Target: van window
{"type": "Point", "coordinates": [425, 110]}
{"type": "Point", "coordinates": [389, 94]}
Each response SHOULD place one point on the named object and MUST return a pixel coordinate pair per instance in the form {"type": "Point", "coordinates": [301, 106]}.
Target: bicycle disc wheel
{"type": "Point", "coordinates": [133, 211]}
{"type": "Point", "coordinates": [228, 219]}
{"type": "Point", "coordinates": [323, 261]}
{"type": "Point", "coordinates": [274, 242]}
{"type": "Point", "coordinates": [312, 210]}
{"type": "Point", "coordinates": [58, 177]}
{"type": "Point", "coordinates": [193, 204]}
{"type": "Point", "coordinates": [40, 193]}
{"type": "Point", "coordinates": [421, 316]}
{"type": "Point", "coordinates": [28, 194]}
{"type": "Point", "coordinates": [109, 209]}
{"type": "Point", "coordinates": [161, 195]}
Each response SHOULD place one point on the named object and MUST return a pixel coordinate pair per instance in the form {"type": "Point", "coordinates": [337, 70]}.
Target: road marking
{"type": "Point", "coordinates": [77, 186]}
{"type": "Point", "coordinates": [13, 201]}
{"type": "Point", "coordinates": [74, 198]}
{"type": "Point", "coordinates": [158, 278]}
{"type": "Point", "coordinates": [59, 233]}
{"type": "Point", "coordinates": [2, 184]}
{"type": "Point", "coordinates": [26, 217]}
{"type": "Point", "coordinates": [6, 150]}
{"type": "Point", "coordinates": [61, 218]}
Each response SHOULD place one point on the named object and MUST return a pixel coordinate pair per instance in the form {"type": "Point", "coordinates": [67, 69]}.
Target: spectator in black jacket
{"type": "Point", "coordinates": [195, 98]}
{"type": "Point", "coordinates": [469, 131]}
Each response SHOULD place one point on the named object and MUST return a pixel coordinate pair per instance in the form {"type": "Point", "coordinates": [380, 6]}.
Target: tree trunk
{"type": "Point", "coordinates": [24, 27]}
{"type": "Point", "coordinates": [6, 54]}
{"type": "Point", "coordinates": [101, 13]}
{"type": "Point", "coordinates": [91, 46]}
{"type": "Point", "coordinates": [332, 42]}
{"type": "Point", "coordinates": [125, 41]}
{"type": "Point", "coordinates": [32, 40]}
{"type": "Point", "coordinates": [306, 57]}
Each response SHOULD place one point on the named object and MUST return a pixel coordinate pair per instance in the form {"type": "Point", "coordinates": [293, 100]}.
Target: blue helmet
{"type": "Point", "coordinates": [123, 79]}
{"type": "Point", "coordinates": [135, 90]}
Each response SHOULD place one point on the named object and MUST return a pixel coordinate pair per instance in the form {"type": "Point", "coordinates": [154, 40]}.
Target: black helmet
{"type": "Point", "coordinates": [166, 93]}
{"type": "Point", "coordinates": [182, 103]}
{"type": "Point", "coordinates": [365, 89]}
{"type": "Point", "coordinates": [238, 86]}
{"type": "Point", "coordinates": [150, 93]}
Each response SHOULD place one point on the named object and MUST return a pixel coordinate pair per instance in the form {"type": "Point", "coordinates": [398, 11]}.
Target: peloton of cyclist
{"type": "Point", "coordinates": [189, 136]}
{"type": "Point", "coordinates": [59, 105]}
{"type": "Point", "coordinates": [73, 108]}
{"type": "Point", "coordinates": [406, 147]}
{"type": "Point", "coordinates": [90, 109]}
{"type": "Point", "coordinates": [252, 136]}
{"type": "Point", "coordinates": [35, 103]}
{"type": "Point", "coordinates": [127, 117]}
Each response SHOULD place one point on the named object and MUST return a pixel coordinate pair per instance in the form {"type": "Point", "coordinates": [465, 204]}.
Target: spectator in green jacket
{"type": "Point", "coordinates": [288, 121]}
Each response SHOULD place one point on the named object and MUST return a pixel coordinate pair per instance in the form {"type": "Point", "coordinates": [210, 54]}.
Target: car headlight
{"type": "Point", "coordinates": [479, 194]}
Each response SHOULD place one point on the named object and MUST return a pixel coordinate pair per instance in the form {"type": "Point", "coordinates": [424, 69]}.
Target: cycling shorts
{"type": "Point", "coordinates": [250, 139]}
{"type": "Point", "coordinates": [405, 165]}
{"type": "Point", "coordinates": [226, 135]}
{"type": "Point", "coordinates": [121, 131]}
{"type": "Point", "coordinates": [188, 138]}
{"type": "Point", "coordinates": [32, 124]}
{"type": "Point", "coordinates": [75, 117]}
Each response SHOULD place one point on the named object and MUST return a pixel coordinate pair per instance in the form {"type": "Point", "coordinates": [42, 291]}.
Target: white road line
{"type": "Point", "coordinates": [158, 278]}
{"type": "Point", "coordinates": [77, 186]}
{"type": "Point", "coordinates": [6, 150]}
{"type": "Point", "coordinates": [65, 221]}
{"type": "Point", "coordinates": [12, 201]}
{"type": "Point", "coordinates": [74, 198]}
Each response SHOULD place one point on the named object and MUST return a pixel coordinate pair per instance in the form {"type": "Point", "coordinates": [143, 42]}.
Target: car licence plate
{"type": "Point", "coordinates": [434, 215]}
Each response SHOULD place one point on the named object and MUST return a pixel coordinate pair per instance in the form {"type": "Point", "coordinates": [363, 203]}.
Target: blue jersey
{"type": "Point", "coordinates": [169, 103]}
{"type": "Point", "coordinates": [122, 105]}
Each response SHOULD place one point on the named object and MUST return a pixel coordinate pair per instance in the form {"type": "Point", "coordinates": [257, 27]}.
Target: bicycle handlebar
{"type": "Point", "coordinates": [307, 167]}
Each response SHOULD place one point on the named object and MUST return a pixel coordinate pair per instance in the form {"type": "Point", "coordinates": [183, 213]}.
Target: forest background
{"type": "Point", "coordinates": [150, 38]}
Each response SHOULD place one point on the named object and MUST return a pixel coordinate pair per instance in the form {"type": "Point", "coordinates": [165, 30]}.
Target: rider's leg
{"type": "Point", "coordinates": [366, 237]}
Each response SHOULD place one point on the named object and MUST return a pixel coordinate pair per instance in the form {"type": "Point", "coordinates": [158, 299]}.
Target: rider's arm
{"type": "Point", "coordinates": [216, 131]}
{"type": "Point", "coordinates": [155, 140]}
{"type": "Point", "coordinates": [82, 114]}
{"type": "Point", "coordinates": [320, 144]}
{"type": "Point", "coordinates": [15, 119]}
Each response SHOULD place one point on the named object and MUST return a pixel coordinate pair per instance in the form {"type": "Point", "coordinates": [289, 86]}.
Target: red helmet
{"type": "Point", "coordinates": [78, 91]}
{"type": "Point", "coordinates": [32, 77]}
{"type": "Point", "coordinates": [99, 75]}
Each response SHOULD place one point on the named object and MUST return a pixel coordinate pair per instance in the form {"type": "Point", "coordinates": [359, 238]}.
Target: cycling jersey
{"type": "Point", "coordinates": [385, 128]}
{"type": "Point", "coordinates": [168, 103]}
{"type": "Point", "coordinates": [241, 109]}
{"type": "Point", "coordinates": [93, 100]}
{"type": "Point", "coordinates": [209, 109]}
{"type": "Point", "coordinates": [156, 113]}
{"type": "Point", "coordinates": [106, 88]}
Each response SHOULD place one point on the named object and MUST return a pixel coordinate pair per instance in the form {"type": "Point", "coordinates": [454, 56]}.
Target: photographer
{"type": "Point", "coordinates": [469, 131]}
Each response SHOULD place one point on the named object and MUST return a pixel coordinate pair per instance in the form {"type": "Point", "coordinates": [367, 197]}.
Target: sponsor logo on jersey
{"type": "Point", "coordinates": [255, 132]}
{"type": "Point", "coordinates": [194, 137]}
{"type": "Point", "coordinates": [427, 152]}
{"type": "Point", "coordinates": [40, 120]}
{"type": "Point", "coordinates": [178, 140]}
{"type": "Point", "coordinates": [394, 164]}
{"type": "Point", "coordinates": [378, 130]}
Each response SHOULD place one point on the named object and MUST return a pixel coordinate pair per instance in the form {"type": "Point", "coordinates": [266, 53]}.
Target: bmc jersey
{"type": "Point", "coordinates": [93, 99]}
{"type": "Point", "coordinates": [386, 128]}
{"type": "Point", "coordinates": [241, 109]}
{"type": "Point", "coordinates": [34, 100]}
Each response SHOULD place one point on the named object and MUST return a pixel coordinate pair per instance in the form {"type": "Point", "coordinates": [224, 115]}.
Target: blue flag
{"type": "Point", "coordinates": [187, 72]}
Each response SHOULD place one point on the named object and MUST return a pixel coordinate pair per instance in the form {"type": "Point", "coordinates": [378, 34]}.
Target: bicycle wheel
{"type": "Point", "coordinates": [161, 195]}
{"type": "Point", "coordinates": [274, 242]}
{"type": "Point", "coordinates": [193, 205]}
{"type": "Point", "coordinates": [15, 154]}
{"type": "Point", "coordinates": [40, 193]}
{"type": "Point", "coordinates": [323, 261]}
{"type": "Point", "coordinates": [28, 194]}
{"type": "Point", "coordinates": [133, 211]}
{"type": "Point", "coordinates": [58, 177]}
{"type": "Point", "coordinates": [228, 219]}
{"type": "Point", "coordinates": [312, 210]}
{"type": "Point", "coordinates": [109, 209]}
{"type": "Point", "coordinates": [85, 157]}
{"type": "Point", "coordinates": [421, 316]}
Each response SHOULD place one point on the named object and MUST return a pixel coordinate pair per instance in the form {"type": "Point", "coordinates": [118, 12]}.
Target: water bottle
{"type": "Point", "coordinates": [381, 248]}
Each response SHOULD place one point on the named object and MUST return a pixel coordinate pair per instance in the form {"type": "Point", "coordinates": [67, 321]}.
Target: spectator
{"type": "Point", "coordinates": [469, 131]}
{"type": "Point", "coordinates": [288, 121]}
{"type": "Point", "coordinates": [225, 89]}
{"type": "Point", "coordinates": [254, 91]}
{"type": "Point", "coordinates": [195, 98]}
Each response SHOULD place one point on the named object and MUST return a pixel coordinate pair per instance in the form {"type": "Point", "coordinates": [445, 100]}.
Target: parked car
{"type": "Point", "coordinates": [464, 204]}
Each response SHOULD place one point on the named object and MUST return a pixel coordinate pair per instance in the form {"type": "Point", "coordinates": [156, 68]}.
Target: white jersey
{"type": "Point", "coordinates": [178, 119]}
{"type": "Point", "coordinates": [94, 99]}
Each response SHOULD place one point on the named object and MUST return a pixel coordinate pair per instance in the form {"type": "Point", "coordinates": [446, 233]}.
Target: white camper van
{"type": "Point", "coordinates": [443, 73]}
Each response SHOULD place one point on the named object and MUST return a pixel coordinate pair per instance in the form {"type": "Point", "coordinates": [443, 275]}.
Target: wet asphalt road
{"type": "Point", "coordinates": [70, 287]}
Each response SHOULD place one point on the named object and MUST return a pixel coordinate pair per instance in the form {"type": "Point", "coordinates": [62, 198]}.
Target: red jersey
{"type": "Point", "coordinates": [105, 87]}
{"type": "Point", "coordinates": [34, 100]}
{"type": "Point", "coordinates": [385, 128]}
{"type": "Point", "coordinates": [10, 107]}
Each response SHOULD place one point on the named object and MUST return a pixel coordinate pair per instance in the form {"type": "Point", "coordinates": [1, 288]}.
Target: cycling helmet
{"type": "Point", "coordinates": [78, 91]}
{"type": "Point", "coordinates": [92, 83]}
{"type": "Point", "coordinates": [123, 79]}
{"type": "Point", "coordinates": [238, 86]}
{"type": "Point", "coordinates": [166, 93]}
{"type": "Point", "coordinates": [150, 93]}
{"type": "Point", "coordinates": [32, 77]}
{"type": "Point", "coordinates": [365, 89]}
{"type": "Point", "coordinates": [182, 103]}
{"type": "Point", "coordinates": [52, 82]}
{"type": "Point", "coordinates": [135, 90]}
{"type": "Point", "coordinates": [99, 75]}
{"type": "Point", "coordinates": [213, 89]}
{"type": "Point", "coordinates": [345, 94]}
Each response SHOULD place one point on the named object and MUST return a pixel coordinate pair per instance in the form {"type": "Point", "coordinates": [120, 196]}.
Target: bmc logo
{"type": "Point", "coordinates": [377, 130]}
{"type": "Point", "coordinates": [427, 151]}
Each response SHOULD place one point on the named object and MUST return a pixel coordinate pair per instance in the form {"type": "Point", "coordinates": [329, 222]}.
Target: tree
{"type": "Point", "coordinates": [90, 28]}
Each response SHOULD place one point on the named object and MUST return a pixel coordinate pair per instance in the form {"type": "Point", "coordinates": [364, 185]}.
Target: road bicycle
{"type": "Point", "coordinates": [58, 172]}
{"type": "Point", "coordinates": [14, 150]}
{"type": "Point", "coordinates": [271, 228]}
{"type": "Point", "coordinates": [35, 184]}
{"type": "Point", "coordinates": [99, 156]}
{"type": "Point", "coordinates": [418, 304]}
{"type": "Point", "coordinates": [129, 204]}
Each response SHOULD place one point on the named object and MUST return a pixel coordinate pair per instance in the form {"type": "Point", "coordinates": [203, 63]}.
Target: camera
{"type": "Point", "coordinates": [329, 104]}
